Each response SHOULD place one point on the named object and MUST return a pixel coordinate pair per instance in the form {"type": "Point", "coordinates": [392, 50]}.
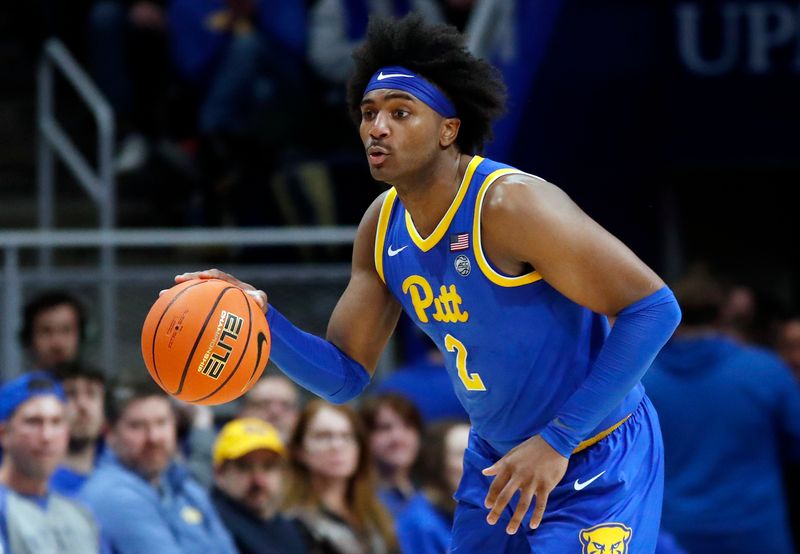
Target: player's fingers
{"type": "Point", "coordinates": [524, 503]}
{"type": "Point", "coordinates": [259, 296]}
{"type": "Point", "coordinates": [189, 275]}
{"type": "Point", "coordinates": [501, 501]}
{"type": "Point", "coordinates": [213, 273]}
{"type": "Point", "coordinates": [538, 512]}
{"type": "Point", "coordinates": [494, 489]}
{"type": "Point", "coordinates": [491, 470]}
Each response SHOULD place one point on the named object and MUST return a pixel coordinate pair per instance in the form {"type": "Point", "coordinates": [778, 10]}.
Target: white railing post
{"type": "Point", "coordinates": [12, 296]}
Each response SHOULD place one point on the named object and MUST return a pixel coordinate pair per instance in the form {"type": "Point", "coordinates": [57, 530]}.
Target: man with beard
{"type": "Point", "coordinates": [85, 389]}
{"type": "Point", "coordinates": [249, 470]}
{"type": "Point", "coordinates": [33, 434]}
{"type": "Point", "coordinates": [144, 500]}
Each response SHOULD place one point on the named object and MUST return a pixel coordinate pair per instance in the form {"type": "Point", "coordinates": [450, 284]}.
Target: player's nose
{"type": "Point", "coordinates": [380, 126]}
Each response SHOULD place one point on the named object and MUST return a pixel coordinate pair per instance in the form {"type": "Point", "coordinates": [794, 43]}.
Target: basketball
{"type": "Point", "coordinates": [205, 341]}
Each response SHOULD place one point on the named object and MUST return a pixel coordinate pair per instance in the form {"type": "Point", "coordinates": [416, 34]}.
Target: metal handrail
{"type": "Point", "coordinates": [14, 241]}
{"type": "Point", "coordinates": [99, 185]}
{"type": "Point", "coordinates": [133, 238]}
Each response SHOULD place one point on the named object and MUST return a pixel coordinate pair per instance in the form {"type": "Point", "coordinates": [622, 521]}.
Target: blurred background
{"type": "Point", "coordinates": [671, 123]}
{"type": "Point", "coordinates": [144, 138]}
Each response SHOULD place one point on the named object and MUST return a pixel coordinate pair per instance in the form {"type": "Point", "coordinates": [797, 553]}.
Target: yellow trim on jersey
{"type": "Point", "coordinates": [483, 263]}
{"type": "Point", "coordinates": [380, 231]}
{"type": "Point", "coordinates": [426, 244]}
{"type": "Point", "coordinates": [599, 436]}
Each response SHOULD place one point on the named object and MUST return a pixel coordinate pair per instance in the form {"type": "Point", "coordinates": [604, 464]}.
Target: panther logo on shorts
{"type": "Point", "coordinates": [606, 538]}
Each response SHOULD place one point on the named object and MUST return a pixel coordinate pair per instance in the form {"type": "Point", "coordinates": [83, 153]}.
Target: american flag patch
{"type": "Point", "coordinates": [459, 242]}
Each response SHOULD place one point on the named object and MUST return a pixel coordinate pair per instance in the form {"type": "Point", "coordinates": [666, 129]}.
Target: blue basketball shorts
{"type": "Point", "coordinates": [609, 500]}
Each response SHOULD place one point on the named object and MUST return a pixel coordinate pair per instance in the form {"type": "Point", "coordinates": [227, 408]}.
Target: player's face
{"type": "Point", "coordinates": [85, 408]}
{"type": "Point", "coordinates": [56, 336]}
{"type": "Point", "coordinates": [35, 438]}
{"type": "Point", "coordinates": [394, 443]}
{"type": "Point", "coordinates": [275, 401]}
{"type": "Point", "coordinates": [400, 133]}
{"type": "Point", "coordinates": [254, 480]}
{"type": "Point", "coordinates": [144, 436]}
{"type": "Point", "coordinates": [330, 447]}
{"type": "Point", "coordinates": [455, 443]}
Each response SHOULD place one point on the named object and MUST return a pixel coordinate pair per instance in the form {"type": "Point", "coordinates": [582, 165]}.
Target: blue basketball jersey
{"type": "Point", "coordinates": [514, 347]}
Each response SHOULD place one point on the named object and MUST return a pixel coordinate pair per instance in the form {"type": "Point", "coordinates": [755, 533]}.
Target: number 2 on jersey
{"type": "Point", "coordinates": [472, 381]}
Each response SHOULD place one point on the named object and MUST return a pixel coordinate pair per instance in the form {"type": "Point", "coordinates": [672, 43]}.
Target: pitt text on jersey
{"type": "Point", "coordinates": [447, 305]}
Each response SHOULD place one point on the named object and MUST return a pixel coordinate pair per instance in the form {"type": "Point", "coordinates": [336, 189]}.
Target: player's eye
{"type": "Point", "coordinates": [401, 114]}
{"type": "Point", "coordinates": [367, 115]}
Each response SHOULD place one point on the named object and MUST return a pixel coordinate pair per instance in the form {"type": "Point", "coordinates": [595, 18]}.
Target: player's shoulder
{"type": "Point", "coordinates": [522, 195]}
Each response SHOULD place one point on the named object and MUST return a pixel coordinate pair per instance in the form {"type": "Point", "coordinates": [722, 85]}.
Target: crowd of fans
{"type": "Point", "coordinates": [233, 111]}
{"type": "Point", "coordinates": [91, 464]}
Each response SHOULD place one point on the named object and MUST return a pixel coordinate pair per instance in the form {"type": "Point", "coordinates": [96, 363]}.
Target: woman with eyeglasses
{"type": "Point", "coordinates": [332, 489]}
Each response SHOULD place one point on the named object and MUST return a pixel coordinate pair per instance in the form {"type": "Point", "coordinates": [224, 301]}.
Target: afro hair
{"type": "Point", "coordinates": [438, 53]}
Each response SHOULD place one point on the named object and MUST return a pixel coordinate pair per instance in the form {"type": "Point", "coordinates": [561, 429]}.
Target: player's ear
{"type": "Point", "coordinates": [449, 131]}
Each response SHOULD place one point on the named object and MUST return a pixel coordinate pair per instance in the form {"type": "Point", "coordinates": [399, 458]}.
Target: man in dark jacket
{"type": "Point", "coordinates": [728, 412]}
{"type": "Point", "coordinates": [248, 472]}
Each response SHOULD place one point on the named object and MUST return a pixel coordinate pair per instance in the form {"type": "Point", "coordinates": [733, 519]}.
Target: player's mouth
{"type": "Point", "coordinates": [377, 155]}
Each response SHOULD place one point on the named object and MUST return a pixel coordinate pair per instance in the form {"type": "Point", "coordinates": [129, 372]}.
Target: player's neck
{"type": "Point", "coordinates": [427, 195]}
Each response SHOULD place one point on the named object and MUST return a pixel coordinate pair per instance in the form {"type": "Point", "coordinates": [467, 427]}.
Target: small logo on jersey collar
{"type": "Point", "coordinates": [459, 241]}
{"type": "Point", "coordinates": [393, 252]}
{"type": "Point", "coordinates": [462, 265]}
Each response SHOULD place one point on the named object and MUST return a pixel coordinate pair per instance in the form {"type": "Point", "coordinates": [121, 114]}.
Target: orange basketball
{"type": "Point", "coordinates": [205, 341]}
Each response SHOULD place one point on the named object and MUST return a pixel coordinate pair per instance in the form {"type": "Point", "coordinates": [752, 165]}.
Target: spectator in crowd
{"type": "Point", "coordinates": [53, 328]}
{"type": "Point", "coordinates": [332, 488]}
{"type": "Point", "coordinates": [336, 27]}
{"type": "Point", "coordinates": [727, 411]}
{"type": "Point", "coordinates": [789, 344]}
{"type": "Point", "coordinates": [85, 389]}
{"type": "Point", "coordinates": [249, 471]}
{"type": "Point", "coordinates": [394, 431]}
{"type": "Point", "coordinates": [144, 500]}
{"type": "Point", "coordinates": [244, 60]}
{"type": "Point", "coordinates": [238, 52]}
{"type": "Point", "coordinates": [34, 435]}
{"type": "Point", "coordinates": [424, 528]}
{"type": "Point", "coordinates": [276, 400]}
{"type": "Point", "coordinates": [127, 59]}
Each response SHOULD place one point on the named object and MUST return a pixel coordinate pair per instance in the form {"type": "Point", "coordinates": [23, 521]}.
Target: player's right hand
{"type": "Point", "coordinates": [258, 295]}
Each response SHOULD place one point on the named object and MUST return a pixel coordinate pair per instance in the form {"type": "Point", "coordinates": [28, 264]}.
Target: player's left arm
{"type": "Point", "coordinates": [529, 222]}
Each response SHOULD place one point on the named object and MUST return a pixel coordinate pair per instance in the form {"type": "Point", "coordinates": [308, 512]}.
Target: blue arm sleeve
{"type": "Point", "coordinates": [314, 363]}
{"type": "Point", "coordinates": [638, 334]}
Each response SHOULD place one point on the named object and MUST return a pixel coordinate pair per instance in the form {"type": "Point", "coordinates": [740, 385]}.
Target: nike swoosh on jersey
{"type": "Point", "coordinates": [580, 486]}
{"type": "Point", "coordinates": [381, 76]}
{"type": "Point", "coordinates": [396, 252]}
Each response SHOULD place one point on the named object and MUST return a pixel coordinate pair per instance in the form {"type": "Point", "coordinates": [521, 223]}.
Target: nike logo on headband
{"type": "Point", "coordinates": [381, 76]}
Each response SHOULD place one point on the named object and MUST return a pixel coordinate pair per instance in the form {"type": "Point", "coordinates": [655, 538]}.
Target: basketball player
{"type": "Point", "coordinates": [514, 284]}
